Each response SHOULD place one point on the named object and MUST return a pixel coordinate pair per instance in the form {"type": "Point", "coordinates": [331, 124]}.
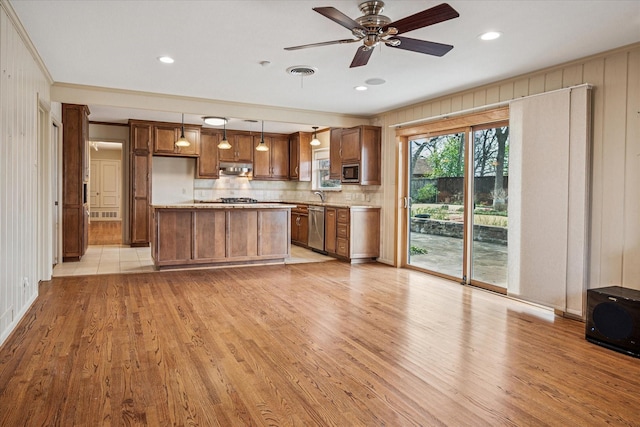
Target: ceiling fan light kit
{"type": "Point", "coordinates": [374, 28]}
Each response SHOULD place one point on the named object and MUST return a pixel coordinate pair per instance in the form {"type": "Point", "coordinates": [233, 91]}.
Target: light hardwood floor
{"type": "Point", "coordinates": [324, 344]}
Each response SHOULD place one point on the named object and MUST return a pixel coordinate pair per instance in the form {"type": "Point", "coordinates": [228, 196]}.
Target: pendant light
{"type": "Point", "coordinates": [262, 146]}
{"type": "Point", "coordinates": [224, 144]}
{"type": "Point", "coordinates": [315, 141]}
{"type": "Point", "coordinates": [182, 141]}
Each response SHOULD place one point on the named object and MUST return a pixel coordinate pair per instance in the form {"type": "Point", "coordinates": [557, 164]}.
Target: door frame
{"type": "Point", "coordinates": [440, 126]}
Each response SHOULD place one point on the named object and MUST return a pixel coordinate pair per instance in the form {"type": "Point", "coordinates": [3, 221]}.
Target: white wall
{"type": "Point", "coordinates": [24, 85]}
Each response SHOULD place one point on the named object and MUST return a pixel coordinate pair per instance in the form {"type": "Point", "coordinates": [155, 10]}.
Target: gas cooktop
{"type": "Point", "coordinates": [238, 200]}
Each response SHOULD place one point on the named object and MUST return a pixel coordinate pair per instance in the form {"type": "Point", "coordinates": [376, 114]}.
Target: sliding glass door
{"type": "Point", "coordinates": [436, 198]}
{"type": "Point", "coordinates": [457, 199]}
{"type": "Point", "coordinates": [490, 202]}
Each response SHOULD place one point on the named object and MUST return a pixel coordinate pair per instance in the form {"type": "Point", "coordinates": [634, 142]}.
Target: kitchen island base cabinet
{"type": "Point", "coordinates": [219, 236]}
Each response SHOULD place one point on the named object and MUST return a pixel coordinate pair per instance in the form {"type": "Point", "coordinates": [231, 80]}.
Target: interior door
{"type": "Point", "coordinates": [110, 184]}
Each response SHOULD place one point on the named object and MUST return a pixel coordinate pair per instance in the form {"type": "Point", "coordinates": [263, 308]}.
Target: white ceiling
{"type": "Point", "coordinates": [218, 47]}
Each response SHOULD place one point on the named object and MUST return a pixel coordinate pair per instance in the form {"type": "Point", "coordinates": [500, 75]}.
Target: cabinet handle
{"type": "Point", "coordinates": [296, 170]}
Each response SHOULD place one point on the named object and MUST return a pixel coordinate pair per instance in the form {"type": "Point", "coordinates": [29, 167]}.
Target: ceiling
{"type": "Point", "coordinates": [219, 48]}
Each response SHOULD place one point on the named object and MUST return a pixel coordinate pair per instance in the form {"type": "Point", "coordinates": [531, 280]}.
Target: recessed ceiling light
{"type": "Point", "coordinates": [490, 35]}
{"type": "Point", "coordinates": [360, 88]}
{"type": "Point", "coordinates": [166, 59]}
{"type": "Point", "coordinates": [375, 81]}
{"type": "Point", "coordinates": [215, 121]}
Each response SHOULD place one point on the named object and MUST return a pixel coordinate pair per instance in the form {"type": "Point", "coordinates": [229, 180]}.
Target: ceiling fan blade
{"type": "Point", "coordinates": [434, 15]}
{"type": "Point", "coordinates": [361, 58]}
{"type": "Point", "coordinates": [336, 16]}
{"type": "Point", "coordinates": [304, 46]}
{"type": "Point", "coordinates": [422, 46]}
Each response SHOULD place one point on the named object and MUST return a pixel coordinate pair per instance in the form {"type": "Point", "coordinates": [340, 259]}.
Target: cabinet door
{"type": "Point", "coordinates": [303, 230]}
{"type": "Point", "coordinates": [140, 171]}
{"type": "Point", "coordinates": [294, 227]}
{"type": "Point", "coordinates": [192, 134]}
{"type": "Point", "coordinates": [370, 162]}
{"type": "Point", "coordinates": [262, 160]}
{"type": "Point", "coordinates": [335, 159]}
{"type": "Point", "coordinates": [229, 155]}
{"type": "Point", "coordinates": [244, 148]}
{"type": "Point", "coordinates": [279, 151]}
{"type": "Point", "coordinates": [330, 230]}
{"type": "Point", "coordinates": [164, 139]}
{"type": "Point", "coordinates": [294, 155]}
{"type": "Point", "coordinates": [166, 135]}
{"type": "Point", "coordinates": [207, 163]}
{"type": "Point", "coordinates": [350, 145]}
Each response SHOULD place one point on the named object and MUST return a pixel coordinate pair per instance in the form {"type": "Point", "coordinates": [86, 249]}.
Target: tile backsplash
{"type": "Point", "coordinates": [212, 189]}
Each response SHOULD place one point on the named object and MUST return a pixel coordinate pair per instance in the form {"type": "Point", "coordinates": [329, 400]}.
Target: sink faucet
{"type": "Point", "coordinates": [321, 194]}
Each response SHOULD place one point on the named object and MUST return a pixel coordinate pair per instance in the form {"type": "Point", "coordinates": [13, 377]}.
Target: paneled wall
{"type": "Point", "coordinates": [615, 179]}
{"type": "Point", "coordinates": [23, 87]}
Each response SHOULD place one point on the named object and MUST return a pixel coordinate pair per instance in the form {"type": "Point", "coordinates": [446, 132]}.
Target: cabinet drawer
{"type": "Point", "coordinates": [343, 215]}
{"type": "Point", "coordinates": [342, 230]}
{"type": "Point", "coordinates": [342, 247]}
{"type": "Point", "coordinates": [301, 209]}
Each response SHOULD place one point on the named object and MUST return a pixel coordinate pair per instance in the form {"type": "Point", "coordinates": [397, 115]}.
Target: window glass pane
{"type": "Point", "coordinates": [437, 210]}
{"type": "Point", "coordinates": [321, 180]}
{"type": "Point", "coordinates": [490, 192]}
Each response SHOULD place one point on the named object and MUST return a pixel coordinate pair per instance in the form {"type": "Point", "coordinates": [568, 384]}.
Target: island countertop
{"type": "Point", "coordinates": [220, 205]}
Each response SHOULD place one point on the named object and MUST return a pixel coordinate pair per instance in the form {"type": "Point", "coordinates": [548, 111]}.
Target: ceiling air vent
{"type": "Point", "coordinates": [301, 70]}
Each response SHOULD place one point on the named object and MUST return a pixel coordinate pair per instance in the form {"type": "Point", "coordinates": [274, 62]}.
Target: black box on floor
{"type": "Point", "coordinates": [613, 319]}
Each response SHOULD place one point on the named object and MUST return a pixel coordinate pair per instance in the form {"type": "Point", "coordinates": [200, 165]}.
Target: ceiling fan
{"type": "Point", "coordinates": [373, 28]}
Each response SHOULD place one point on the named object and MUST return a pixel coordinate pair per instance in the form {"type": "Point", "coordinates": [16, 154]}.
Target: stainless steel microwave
{"type": "Point", "coordinates": [351, 173]}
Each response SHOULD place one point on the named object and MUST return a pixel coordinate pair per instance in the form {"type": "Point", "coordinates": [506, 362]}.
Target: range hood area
{"type": "Point", "coordinates": [236, 169]}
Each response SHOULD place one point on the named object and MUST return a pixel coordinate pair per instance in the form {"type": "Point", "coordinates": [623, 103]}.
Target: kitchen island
{"type": "Point", "coordinates": [210, 234]}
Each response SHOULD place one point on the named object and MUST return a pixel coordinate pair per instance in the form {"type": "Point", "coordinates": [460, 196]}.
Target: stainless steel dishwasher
{"type": "Point", "coordinates": [316, 228]}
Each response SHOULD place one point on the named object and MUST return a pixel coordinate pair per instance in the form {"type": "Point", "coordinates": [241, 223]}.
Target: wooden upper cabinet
{"type": "Point", "coordinates": [207, 165]}
{"type": "Point", "coordinates": [360, 145]}
{"type": "Point", "coordinates": [300, 156]}
{"type": "Point", "coordinates": [350, 145]}
{"type": "Point", "coordinates": [165, 136]}
{"type": "Point", "coordinates": [274, 163]}
{"type": "Point", "coordinates": [140, 136]}
{"type": "Point", "coordinates": [335, 159]}
{"type": "Point", "coordinates": [241, 150]}
{"type": "Point", "coordinates": [280, 157]}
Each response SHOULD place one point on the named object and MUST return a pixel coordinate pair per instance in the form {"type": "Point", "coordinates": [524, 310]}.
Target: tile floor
{"type": "Point", "coordinates": [109, 259]}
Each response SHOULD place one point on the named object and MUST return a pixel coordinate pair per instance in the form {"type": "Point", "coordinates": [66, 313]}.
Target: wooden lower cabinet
{"type": "Point", "coordinates": [352, 233]}
{"type": "Point", "coordinates": [330, 230]}
{"type": "Point", "coordinates": [300, 225]}
{"type": "Point", "coordinates": [190, 237]}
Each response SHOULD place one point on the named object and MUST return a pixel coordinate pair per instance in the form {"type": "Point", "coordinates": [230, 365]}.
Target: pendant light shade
{"type": "Point", "coordinates": [224, 144]}
{"type": "Point", "coordinates": [262, 146]}
{"type": "Point", "coordinates": [182, 141]}
{"type": "Point", "coordinates": [315, 141]}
